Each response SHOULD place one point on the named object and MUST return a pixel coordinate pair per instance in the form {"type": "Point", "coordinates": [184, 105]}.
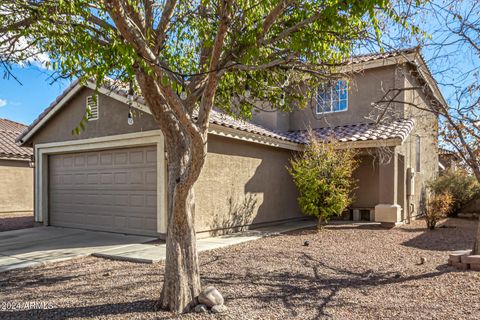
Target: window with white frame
{"type": "Point", "coordinates": [92, 108]}
{"type": "Point", "coordinates": [332, 96]}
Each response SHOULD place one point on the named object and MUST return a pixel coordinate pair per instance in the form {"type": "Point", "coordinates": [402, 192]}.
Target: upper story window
{"type": "Point", "coordinates": [333, 96]}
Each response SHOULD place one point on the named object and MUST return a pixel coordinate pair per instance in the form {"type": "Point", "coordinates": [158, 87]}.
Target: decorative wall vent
{"type": "Point", "coordinates": [92, 105]}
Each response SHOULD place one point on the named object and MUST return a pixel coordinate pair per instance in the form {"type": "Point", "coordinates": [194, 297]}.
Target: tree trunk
{"type": "Point", "coordinates": [182, 277]}
{"type": "Point", "coordinates": [319, 223]}
{"type": "Point", "coordinates": [186, 150]}
{"type": "Point", "coordinates": [476, 245]}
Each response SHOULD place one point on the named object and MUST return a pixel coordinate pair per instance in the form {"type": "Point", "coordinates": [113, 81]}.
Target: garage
{"type": "Point", "coordinates": [108, 190]}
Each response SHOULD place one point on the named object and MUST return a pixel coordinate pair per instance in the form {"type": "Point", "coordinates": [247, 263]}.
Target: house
{"type": "Point", "coordinates": [111, 177]}
{"type": "Point", "coordinates": [16, 172]}
{"type": "Point", "coordinates": [448, 160]}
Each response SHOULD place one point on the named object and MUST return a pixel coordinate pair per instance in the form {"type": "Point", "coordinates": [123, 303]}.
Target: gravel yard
{"type": "Point", "coordinates": [15, 221]}
{"type": "Point", "coordinates": [346, 272]}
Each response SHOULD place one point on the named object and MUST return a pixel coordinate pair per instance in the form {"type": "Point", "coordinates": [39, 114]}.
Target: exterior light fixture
{"type": "Point", "coordinates": [183, 94]}
{"type": "Point", "coordinates": [130, 117]}
{"type": "Point", "coordinates": [130, 103]}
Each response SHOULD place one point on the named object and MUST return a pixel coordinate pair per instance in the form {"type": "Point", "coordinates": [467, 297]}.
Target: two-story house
{"type": "Point", "coordinates": [383, 106]}
{"type": "Point", "coordinates": [111, 177]}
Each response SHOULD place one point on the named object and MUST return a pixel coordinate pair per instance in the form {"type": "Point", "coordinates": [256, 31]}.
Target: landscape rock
{"type": "Point", "coordinates": [200, 308]}
{"type": "Point", "coordinates": [220, 308]}
{"type": "Point", "coordinates": [210, 297]}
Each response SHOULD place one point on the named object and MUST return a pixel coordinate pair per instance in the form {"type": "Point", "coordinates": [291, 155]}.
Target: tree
{"type": "Point", "coordinates": [323, 174]}
{"type": "Point", "coordinates": [458, 36]}
{"type": "Point", "coordinates": [184, 57]}
{"type": "Point", "coordinates": [454, 39]}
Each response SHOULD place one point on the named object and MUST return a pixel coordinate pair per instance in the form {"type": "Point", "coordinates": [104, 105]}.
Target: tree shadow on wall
{"type": "Point", "coordinates": [240, 215]}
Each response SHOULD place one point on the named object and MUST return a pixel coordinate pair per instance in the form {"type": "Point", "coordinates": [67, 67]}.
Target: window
{"type": "Point", "coordinates": [92, 105]}
{"type": "Point", "coordinates": [333, 96]}
{"type": "Point", "coordinates": [417, 153]}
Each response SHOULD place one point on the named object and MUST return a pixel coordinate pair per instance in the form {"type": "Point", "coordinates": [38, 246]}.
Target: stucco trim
{"type": "Point", "coordinates": [370, 144]}
{"type": "Point", "coordinates": [153, 137]}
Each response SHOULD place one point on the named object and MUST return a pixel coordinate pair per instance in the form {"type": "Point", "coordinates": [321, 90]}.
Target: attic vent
{"type": "Point", "coordinates": [92, 105]}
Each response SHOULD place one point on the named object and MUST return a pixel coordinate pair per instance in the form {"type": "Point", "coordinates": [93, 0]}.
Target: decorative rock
{"type": "Point", "coordinates": [200, 308]}
{"type": "Point", "coordinates": [306, 243]}
{"type": "Point", "coordinates": [423, 260]}
{"type": "Point", "coordinates": [210, 296]}
{"type": "Point", "coordinates": [219, 308]}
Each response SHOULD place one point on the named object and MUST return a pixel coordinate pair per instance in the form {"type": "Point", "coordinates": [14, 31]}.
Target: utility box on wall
{"type": "Point", "coordinates": [410, 181]}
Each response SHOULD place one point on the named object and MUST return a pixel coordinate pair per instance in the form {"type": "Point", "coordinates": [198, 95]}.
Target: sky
{"type": "Point", "coordinates": [24, 102]}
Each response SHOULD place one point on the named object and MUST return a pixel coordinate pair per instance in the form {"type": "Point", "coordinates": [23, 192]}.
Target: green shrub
{"type": "Point", "coordinates": [323, 176]}
{"type": "Point", "coordinates": [462, 186]}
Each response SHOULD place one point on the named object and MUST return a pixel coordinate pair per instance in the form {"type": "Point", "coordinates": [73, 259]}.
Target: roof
{"type": "Point", "coordinates": [9, 130]}
{"type": "Point", "coordinates": [367, 57]}
{"type": "Point", "coordinates": [351, 133]}
{"type": "Point", "coordinates": [359, 132]}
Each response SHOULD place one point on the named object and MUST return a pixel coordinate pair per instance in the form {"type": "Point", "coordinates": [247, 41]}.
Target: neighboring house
{"type": "Point", "coordinates": [16, 171]}
{"type": "Point", "coordinates": [448, 160]}
{"type": "Point", "coordinates": [112, 176]}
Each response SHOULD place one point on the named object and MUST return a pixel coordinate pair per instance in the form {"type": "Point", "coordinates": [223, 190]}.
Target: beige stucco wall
{"type": "Point", "coordinates": [367, 182]}
{"type": "Point", "coordinates": [426, 127]}
{"type": "Point", "coordinates": [112, 120]}
{"type": "Point", "coordinates": [241, 182]}
{"type": "Point", "coordinates": [244, 183]}
{"type": "Point", "coordinates": [16, 191]}
{"type": "Point", "coordinates": [365, 87]}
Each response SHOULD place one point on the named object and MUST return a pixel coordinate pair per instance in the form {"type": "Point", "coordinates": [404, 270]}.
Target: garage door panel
{"type": "Point", "coordinates": [112, 190]}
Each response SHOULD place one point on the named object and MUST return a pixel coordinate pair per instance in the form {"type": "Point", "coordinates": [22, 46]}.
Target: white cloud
{"type": "Point", "coordinates": [3, 103]}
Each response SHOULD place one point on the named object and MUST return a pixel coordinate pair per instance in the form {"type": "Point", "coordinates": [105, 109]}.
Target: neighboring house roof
{"type": "Point", "coordinates": [9, 131]}
{"type": "Point", "coordinates": [443, 151]}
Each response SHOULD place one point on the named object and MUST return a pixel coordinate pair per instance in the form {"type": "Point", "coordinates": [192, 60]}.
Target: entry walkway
{"type": "Point", "coordinates": [150, 253]}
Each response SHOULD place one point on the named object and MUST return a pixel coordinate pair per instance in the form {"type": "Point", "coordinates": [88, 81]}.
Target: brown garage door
{"type": "Point", "coordinates": [109, 190]}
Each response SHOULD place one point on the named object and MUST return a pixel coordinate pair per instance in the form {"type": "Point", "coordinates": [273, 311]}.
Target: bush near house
{"type": "Point", "coordinates": [437, 208]}
{"type": "Point", "coordinates": [323, 176]}
{"type": "Point", "coordinates": [459, 184]}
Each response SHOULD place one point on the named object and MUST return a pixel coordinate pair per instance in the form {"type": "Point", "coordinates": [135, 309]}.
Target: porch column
{"type": "Point", "coordinates": [387, 210]}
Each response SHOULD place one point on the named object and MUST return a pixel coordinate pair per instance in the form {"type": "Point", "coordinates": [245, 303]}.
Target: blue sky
{"type": "Point", "coordinates": [23, 103]}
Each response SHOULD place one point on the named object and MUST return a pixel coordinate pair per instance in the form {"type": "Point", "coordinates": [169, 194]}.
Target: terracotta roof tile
{"type": "Point", "coordinates": [9, 130]}
{"type": "Point", "coordinates": [399, 129]}
{"type": "Point", "coordinates": [378, 56]}
{"type": "Point", "coordinates": [359, 132]}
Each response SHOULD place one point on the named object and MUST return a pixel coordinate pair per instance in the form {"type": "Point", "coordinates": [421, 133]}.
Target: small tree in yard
{"type": "Point", "coordinates": [184, 57]}
{"type": "Point", "coordinates": [437, 208]}
{"type": "Point", "coordinates": [462, 187]}
{"type": "Point", "coordinates": [323, 175]}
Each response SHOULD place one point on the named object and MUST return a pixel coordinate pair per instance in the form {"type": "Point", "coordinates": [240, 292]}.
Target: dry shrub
{"type": "Point", "coordinates": [437, 208]}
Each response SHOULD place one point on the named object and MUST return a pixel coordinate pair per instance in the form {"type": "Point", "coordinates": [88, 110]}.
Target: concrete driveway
{"type": "Point", "coordinates": [34, 246]}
